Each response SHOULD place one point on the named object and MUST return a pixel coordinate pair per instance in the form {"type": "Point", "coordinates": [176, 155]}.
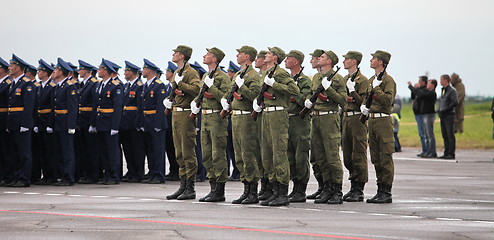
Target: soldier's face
{"type": "Point", "coordinates": [314, 62]}
{"type": "Point", "coordinates": [208, 58]}
{"type": "Point", "coordinates": [168, 75]}
{"type": "Point", "coordinates": [102, 73]}
{"type": "Point", "coordinates": [145, 72]}
{"type": "Point", "coordinates": [290, 62]}
{"type": "Point", "coordinates": [176, 57]}
{"type": "Point", "coordinates": [323, 60]}
{"type": "Point", "coordinates": [259, 62]}
{"type": "Point", "coordinates": [375, 62]}
{"type": "Point", "coordinates": [42, 74]}
{"type": "Point", "coordinates": [269, 58]}
{"type": "Point", "coordinates": [242, 58]}
{"type": "Point", "coordinates": [14, 69]}
{"type": "Point", "coordinates": [128, 75]}
{"type": "Point", "coordinates": [348, 63]}
{"type": "Point", "coordinates": [57, 73]}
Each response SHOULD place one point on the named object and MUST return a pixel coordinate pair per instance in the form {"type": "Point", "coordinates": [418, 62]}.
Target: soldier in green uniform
{"type": "Point", "coordinates": [266, 189]}
{"type": "Point", "coordinates": [247, 83]}
{"type": "Point", "coordinates": [184, 129]}
{"type": "Point", "coordinates": [326, 128]}
{"type": "Point", "coordinates": [259, 62]}
{"type": "Point", "coordinates": [381, 139]}
{"type": "Point", "coordinates": [314, 61]}
{"type": "Point", "coordinates": [275, 126]}
{"type": "Point", "coordinates": [298, 129]}
{"type": "Point", "coordinates": [354, 132]}
{"type": "Point", "coordinates": [213, 128]}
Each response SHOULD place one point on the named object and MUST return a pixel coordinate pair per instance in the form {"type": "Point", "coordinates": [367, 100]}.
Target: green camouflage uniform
{"type": "Point", "coordinates": [214, 129]}
{"type": "Point", "coordinates": [184, 129]}
{"type": "Point", "coordinates": [355, 133]}
{"type": "Point", "coordinates": [299, 134]}
{"type": "Point", "coordinates": [326, 128]}
{"type": "Point", "coordinates": [381, 139]}
{"type": "Point", "coordinates": [275, 127]}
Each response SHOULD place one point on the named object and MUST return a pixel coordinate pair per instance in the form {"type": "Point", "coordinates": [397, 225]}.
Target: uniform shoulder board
{"type": "Point", "coordinates": [53, 84]}
{"type": "Point", "coordinates": [159, 81]}
{"type": "Point", "coordinates": [8, 81]}
{"type": "Point", "coordinates": [115, 82]}
{"type": "Point", "coordinates": [69, 82]}
{"type": "Point", "coordinates": [139, 83]}
{"type": "Point", "coordinates": [26, 79]}
{"type": "Point", "coordinates": [94, 80]}
{"type": "Point", "coordinates": [74, 81]}
{"type": "Point", "coordinates": [37, 84]}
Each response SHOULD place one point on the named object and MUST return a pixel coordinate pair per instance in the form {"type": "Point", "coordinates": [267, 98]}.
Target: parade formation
{"type": "Point", "coordinates": [76, 124]}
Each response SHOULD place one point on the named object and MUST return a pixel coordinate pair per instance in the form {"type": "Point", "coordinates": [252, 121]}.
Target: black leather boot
{"type": "Point", "coordinates": [320, 187]}
{"type": "Point", "coordinates": [275, 186]}
{"type": "Point", "coordinates": [357, 193]}
{"type": "Point", "coordinates": [268, 191]}
{"type": "Point", "coordinates": [337, 197]}
{"type": "Point", "coordinates": [294, 190]}
{"type": "Point", "coordinates": [177, 193]}
{"type": "Point", "coordinates": [212, 185]}
{"type": "Point", "coordinates": [326, 193]}
{"type": "Point", "coordinates": [349, 193]}
{"type": "Point", "coordinates": [282, 199]}
{"type": "Point", "coordinates": [252, 197]}
{"type": "Point", "coordinates": [383, 194]}
{"type": "Point", "coordinates": [190, 192]}
{"type": "Point", "coordinates": [244, 194]}
{"type": "Point", "coordinates": [299, 196]}
{"type": "Point", "coordinates": [218, 195]}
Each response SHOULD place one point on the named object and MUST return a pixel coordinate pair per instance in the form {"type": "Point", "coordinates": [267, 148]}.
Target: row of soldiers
{"type": "Point", "coordinates": [271, 136]}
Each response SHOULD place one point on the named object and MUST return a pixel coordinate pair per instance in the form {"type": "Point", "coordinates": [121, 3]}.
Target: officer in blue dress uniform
{"type": "Point", "coordinates": [131, 139]}
{"type": "Point", "coordinates": [169, 146]}
{"type": "Point", "coordinates": [44, 117]}
{"type": "Point", "coordinates": [88, 163]}
{"type": "Point", "coordinates": [36, 143]}
{"type": "Point", "coordinates": [230, 154]}
{"type": "Point", "coordinates": [107, 113]}
{"type": "Point", "coordinates": [201, 170]}
{"type": "Point", "coordinates": [20, 122]}
{"type": "Point", "coordinates": [153, 123]}
{"type": "Point", "coordinates": [65, 107]}
{"type": "Point", "coordinates": [5, 153]}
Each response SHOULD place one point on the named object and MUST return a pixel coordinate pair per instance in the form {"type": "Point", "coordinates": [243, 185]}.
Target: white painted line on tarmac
{"type": "Point", "coordinates": [124, 198]}
{"type": "Point", "coordinates": [11, 192]}
{"type": "Point", "coordinates": [379, 214]}
{"type": "Point", "coordinates": [427, 159]}
{"type": "Point", "coordinates": [53, 194]}
{"type": "Point", "coordinates": [76, 195]}
{"type": "Point", "coordinates": [449, 219]}
{"type": "Point", "coordinates": [99, 196]}
{"type": "Point", "coordinates": [315, 210]}
{"type": "Point", "coordinates": [351, 212]}
{"type": "Point", "coordinates": [149, 199]}
{"type": "Point", "coordinates": [31, 193]}
{"type": "Point", "coordinates": [414, 217]}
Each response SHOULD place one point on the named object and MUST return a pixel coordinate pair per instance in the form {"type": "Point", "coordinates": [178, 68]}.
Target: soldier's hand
{"type": "Point", "coordinates": [269, 81]}
{"type": "Point", "coordinates": [239, 81]}
{"type": "Point", "coordinates": [167, 103]}
{"type": "Point", "coordinates": [92, 129]}
{"type": "Point", "coordinates": [113, 132]}
{"type": "Point", "coordinates": [308, 104]}
{"type": "Point", "coordinates": [326, 83]}
{"type": "Point", "coordinates": [351, 86]}
{"type": "Point", "coordinates": [142, 129]}
{"type": "Point", "coordinates": [178, 78]}
{"type": "Point", "coordinates": [71, 131]}
{"type": "Point", "coordinates": [364, 110]}
{"type": "Point", "coordinates": [35, 129]}
{"type": "Point", "coordinates": [208, 81]}
{"type": "Point", "coordinates": [194, 108]}
{"type": "Point", "coordinates": [376, 83]}
{"type": "Point", "coordinates": [225, 104]}
{"type": "Point", "coordinates": [23, 129]}
{"type": "Point", "coordinates": [256, 107]}
{"type": "Point", "coordinates": [157, 129]}
{"type": "Point", "coordinates": [49, 130]}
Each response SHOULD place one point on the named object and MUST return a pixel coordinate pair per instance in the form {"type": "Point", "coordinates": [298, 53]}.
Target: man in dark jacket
{"type": "Point", "coordinates": [446, 111]}
{"type": "Point", "coordinates": [417, 110]}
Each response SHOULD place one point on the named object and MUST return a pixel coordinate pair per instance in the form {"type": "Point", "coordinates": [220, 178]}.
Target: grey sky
{"type": "Point", "coordinates": [437, 36]}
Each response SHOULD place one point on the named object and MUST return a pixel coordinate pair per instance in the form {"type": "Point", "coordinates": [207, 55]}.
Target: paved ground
{"type": "Point", "coordinates": [433, 199]}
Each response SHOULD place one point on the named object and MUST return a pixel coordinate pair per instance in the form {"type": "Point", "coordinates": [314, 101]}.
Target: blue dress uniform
{"type": "Point", "coordinates": [44, 117]}
{"type": "Point", "coordinates": [65, 102]}
{"type": "Point", "coordinates": [36, 142]}
{"type": "Point", "coordinates": [153, 122]}
{"type": "Point", "coordinates": [88, 163]}
{"type": "Point", "coordinates": [107, 113]}
{"type": "Point", "coordinates": [230, 153]}
{"type": "Point", "coordinates": [5, 153]}
{"type": "Point", "coordinates": [132, 140]}
{"type": "Point", "coordinates": [20, 123]}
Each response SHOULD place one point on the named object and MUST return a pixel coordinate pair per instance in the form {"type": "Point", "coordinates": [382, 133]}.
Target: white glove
{"type": "Point", "coordinates": [269, 81]}
{"type": "Point", "coordinates": [308, 104]}
{"type": "Point", "coordinates": [351, 86]}
{"type": "Point", "coordinates": [208, 81]}
{"type": "Point", "coordinates": [256, 107]}
{"type": "Point", "coordinates": [23, 129]}
{"type": "Point", "coordinates": [376, 83]}
{"type": "Point", "coordinates": [113, 132]}
{"type": "Point", "coordinates": [167, 103]}
{"type": "Point", "coordinates": [71, 131]}
{"type": "Point", "coordinates": [157, 129]}
{"type": "Point", "coordinates": [178, 78]}
{"type": "Point", "coordinates": [326, 83]}
{"type": "Point", "coordinates": [364, 110]}
{"type": "Point", "coordinates": [142, 129]}
{"type": "Point", "coordinates": [49, 130]}
{"type": "Point", "coordinates": [224, 104]}
{"type": "Point", "coordinates": [92, 129]}
{"type": "Point", "coordinates": [35, 129]}
{"type": "Point", "coordinates": [194, 108]}
{"type": "Point", "coordinates": [239, 81]}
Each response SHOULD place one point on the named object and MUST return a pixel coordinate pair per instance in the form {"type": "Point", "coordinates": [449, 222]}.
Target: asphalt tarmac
{"type": "Point", "coordinates": [432, 199]}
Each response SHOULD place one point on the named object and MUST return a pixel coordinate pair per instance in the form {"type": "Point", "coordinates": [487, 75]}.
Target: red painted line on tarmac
{"type": "Point", "coordinates": [194, 225]}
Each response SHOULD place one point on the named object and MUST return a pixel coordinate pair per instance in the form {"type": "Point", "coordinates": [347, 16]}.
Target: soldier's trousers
{"type": "Point", "coordinates": [213, 142]}
{"type": "Point", "coordinates": [259, 140]}
{"type": "Point", "coordinates": [246, 145]}
{"type": "Point", "coordinates": [110, 153]}
{"type": "Point", "coordinates": [381, 145]}
{"type": "Point", "coordinates": [298, 148]}
{"type": "Point", "coordinates": [65, 142]}
{"type": "Point", "coordinates": [134, 151]}
{"type": "Point", "coordinates": [184, 138]}
{"type": "Point", "coordinates": [326, 140]}
{"type": "Point", "coordinates": [88, 161]}
{"type": "Point", "coordinates": [20, 144]}
{"type": "Point", "coordinates": [355, 148]}
{"type": "Point", "coordinates": [50, 164]}
{"type": "Point", "coordinates": [6, 173]}
{"type": "Point", "coordinates": [274, 146]}
{"type": "Point", "coordinates": [155, 151]}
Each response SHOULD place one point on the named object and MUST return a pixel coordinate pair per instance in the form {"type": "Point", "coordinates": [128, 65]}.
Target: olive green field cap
{"type": "Point", "coordinates": [185, 50]}
{"type": "Point", "coordinates": [332, 56]}
{"type": "Point", "coordinates": [353, 55]}
{"type": "Point", "coordinates": [278, 52]}
{"type": "Point", "coordinates": [252, 52]}
{"type": "Point", "coordinates": [383, 55]}
{"type": "Point", "coordinates": [262, 54]}
{"type": "Point", "coordinates": [297, 55]}
{"type": "Point", "coordinates": [217, 52]}
{"type": "Point", "coordinates": [317, 53]}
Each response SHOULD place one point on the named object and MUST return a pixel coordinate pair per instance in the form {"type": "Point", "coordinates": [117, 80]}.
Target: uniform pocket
{"type": "Point", "coordinates": [388, 145]}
